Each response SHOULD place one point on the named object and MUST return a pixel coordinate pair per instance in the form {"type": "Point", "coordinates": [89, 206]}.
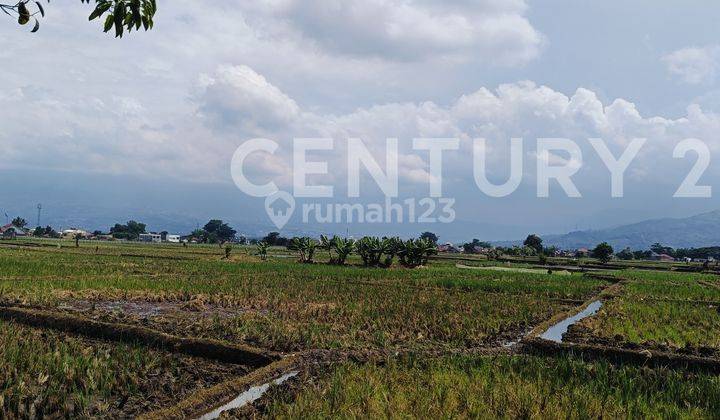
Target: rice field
{"type": "Point", "coordinates": [500, 387]}
{"type": "Point", "coordinates": [673, 324]}
{"type": "Point", "coordinates": [43, 373]}
{"type": "Point", "coordinates": [416, 335]}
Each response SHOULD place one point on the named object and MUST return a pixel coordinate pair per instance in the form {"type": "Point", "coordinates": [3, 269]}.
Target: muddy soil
{"type": "Point", "coordinates": [189, 319]}
{"type": "Point", "coordinates": [146, 309]}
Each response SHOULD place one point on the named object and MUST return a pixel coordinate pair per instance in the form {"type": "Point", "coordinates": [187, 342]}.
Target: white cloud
{"type": "Point", "coordinates": [235, 103]}
{"type": "Point", "coordinates": [521, 109]}
{"type": "Point", "coordinates": [235, 96]}
{"type": "Point", "coordinates": [416, 29]}
{"type": "Point", "coordinates": [694, 65]}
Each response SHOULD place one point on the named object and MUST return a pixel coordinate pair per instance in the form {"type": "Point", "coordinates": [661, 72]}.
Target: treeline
{"type": "Point", "coordinates": [680, 253]}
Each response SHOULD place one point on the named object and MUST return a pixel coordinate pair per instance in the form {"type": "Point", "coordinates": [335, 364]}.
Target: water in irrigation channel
{"type": "Point", "coordinates": [556, 332]}
{"type": "Point", "coordinates": [247, 397]}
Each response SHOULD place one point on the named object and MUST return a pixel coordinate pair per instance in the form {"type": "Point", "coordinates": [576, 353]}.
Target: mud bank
{"type": "Point", "coordinates": [650, 358]}
{"type": "Point", "coordinates": [208, 400]}
{"type": "Point", "coordinates": [209, 349]}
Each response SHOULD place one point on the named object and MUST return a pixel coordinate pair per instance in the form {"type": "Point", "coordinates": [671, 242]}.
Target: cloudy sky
{"type": "Point", "coordinates": [149, 123]}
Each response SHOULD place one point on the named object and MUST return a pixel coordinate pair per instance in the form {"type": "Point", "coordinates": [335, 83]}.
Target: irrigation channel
{"type": "Point", "coordinates": [247, 397]}
{"type": "Point", "coordinates": [555, 333]}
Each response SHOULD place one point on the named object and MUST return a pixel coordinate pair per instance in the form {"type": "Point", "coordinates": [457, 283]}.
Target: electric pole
{"type": "Point", "coordinates": [39, 208]}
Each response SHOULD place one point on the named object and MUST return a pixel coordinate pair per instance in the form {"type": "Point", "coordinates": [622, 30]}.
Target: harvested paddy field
{"type": "Point", "coordinates": [44, 372]}
{"type": "Point", "coordinates": [380, 342]}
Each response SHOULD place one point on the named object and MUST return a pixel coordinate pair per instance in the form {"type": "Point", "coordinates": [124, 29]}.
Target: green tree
{"type": "Point", "coordinates": [130, 230]}
{"type": "Point", "coordinates": [274, 239]}
{"type": "Point", "coordinates": [218, 231]}
{"type": "Point", "coordinates": [626, 254]}
{"type": "Point", "coordinates": [469, 247]}
{"type": "Point", "coordinates": [430, 237]}
{"type": "Point", "coordinates": [19, 222]}
{"type": "Point", "coordinates": [535, 242]}
{"type": "Point", "coordinates": [661, 249]}
{"type": "Point", "coordinates": [122, 15]}
{"type": "Point", "coordinates": [603, 252]}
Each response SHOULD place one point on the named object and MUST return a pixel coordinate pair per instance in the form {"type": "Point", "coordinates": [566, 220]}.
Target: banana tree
{"type": "Point", "coordinates": [262, 249]}
{"type": "Point", "coordinates": [376, 252]}
{"type": "Point", "coordinates": [305, 247]}
{"type": "Point", "coordinates": [416, 252]}
{"type": "Point", "coordinates": [338, 248]}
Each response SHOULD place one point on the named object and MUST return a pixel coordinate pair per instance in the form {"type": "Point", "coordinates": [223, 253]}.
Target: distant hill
{"type": "Point", "coordinates": [696, 231]}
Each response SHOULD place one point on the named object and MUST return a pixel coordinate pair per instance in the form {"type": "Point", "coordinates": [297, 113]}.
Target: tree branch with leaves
{"type": "Point", "coordinates": [122, 15]}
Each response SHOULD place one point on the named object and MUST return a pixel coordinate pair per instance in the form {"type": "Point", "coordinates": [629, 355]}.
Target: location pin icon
{"type": "Point", "coordinates": [280, 207]}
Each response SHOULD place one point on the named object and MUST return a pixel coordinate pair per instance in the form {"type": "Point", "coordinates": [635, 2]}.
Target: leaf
{"type": "Point", "coordinates": [119, 14]}
{"type": "Point", "coordinates": [36, 27]}
{"type": "Point", "coordinates": [99, 11]}
{"type": "Point", "coordinates": [109, 22]}
{"type": "Point", "coordinates": [40, 8]}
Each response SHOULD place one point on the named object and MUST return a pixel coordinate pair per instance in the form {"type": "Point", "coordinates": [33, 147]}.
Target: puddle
{"type": "Point", "coordinates": [247, 397]}
{"type": "Point", "coordinates": [556, 332]}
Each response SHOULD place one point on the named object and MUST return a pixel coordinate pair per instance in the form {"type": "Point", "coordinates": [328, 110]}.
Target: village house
{"type": "Point", "coordinates": [661, 257]}
{"type": "Point", "coordinates": [582, 252]}
{"type": "Point", "coordinates": [11, 231]}
{"type": "Point", "coordinates": [449, 248]}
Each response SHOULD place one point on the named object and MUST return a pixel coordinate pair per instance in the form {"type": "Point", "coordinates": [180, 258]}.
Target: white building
{"type": "Point", "coordinates": [173, 238]}
{"type": "Point", "coordinates": [70, 233]}
{"type": "Point", "coordinates": [150, 237]}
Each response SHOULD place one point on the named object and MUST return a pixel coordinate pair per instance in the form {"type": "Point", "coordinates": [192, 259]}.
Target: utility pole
{"type": "Point", "coordinates": [39, 207]}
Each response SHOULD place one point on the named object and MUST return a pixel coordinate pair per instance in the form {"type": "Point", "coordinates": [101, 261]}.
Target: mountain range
{"type": "Point", "coordinates": [690, 232]}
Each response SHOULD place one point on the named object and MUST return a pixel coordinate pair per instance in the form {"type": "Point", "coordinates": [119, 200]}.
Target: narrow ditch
{"type": "Point", "coordinates": [555, 333]}
{"type": "Point", "coordinates": [247, 397]}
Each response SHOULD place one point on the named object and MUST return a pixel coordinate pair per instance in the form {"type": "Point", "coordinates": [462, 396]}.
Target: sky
{"type": "Point", "coordinates": [147, 125]}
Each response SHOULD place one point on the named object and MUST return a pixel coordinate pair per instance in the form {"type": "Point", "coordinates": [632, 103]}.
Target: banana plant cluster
{"type": "Point", "coordinates": [416, 252]}
{"type": "Point", "coordinates": [338, 248]}
{"type": "Point", "coordinates": [305, 248]}
{"type": "Point", "coordinates": [374, 251]}
{"type": "Point", "coordinates": [378, 252]}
